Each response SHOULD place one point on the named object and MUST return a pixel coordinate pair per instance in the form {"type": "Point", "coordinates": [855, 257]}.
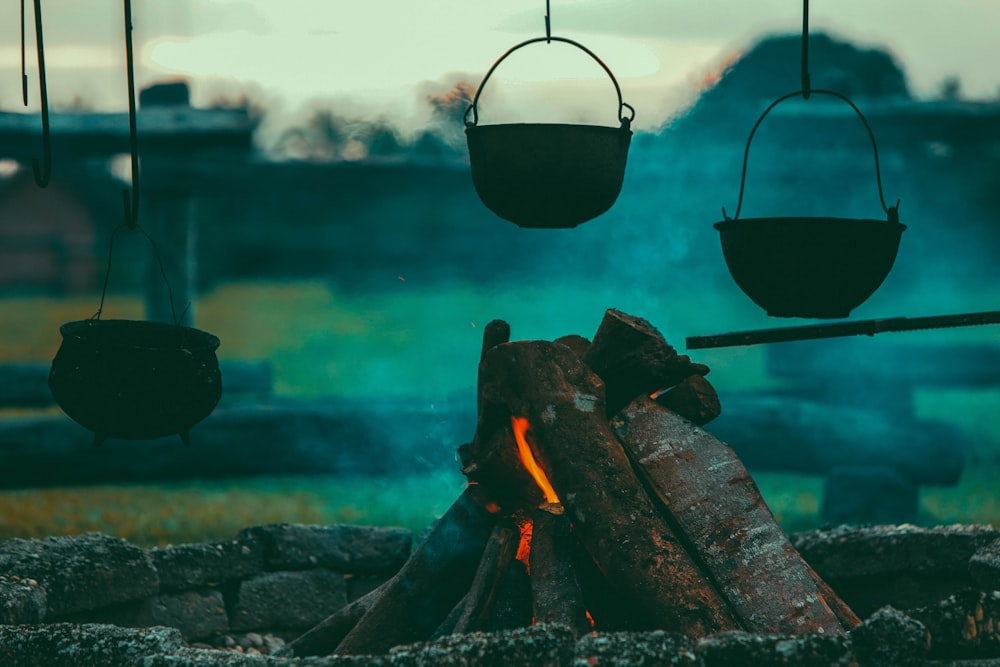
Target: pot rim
{"type": "Point", "coordinates": [807, 220]}
{"type": "Point", "coordinates": [195, 340]}
{"type": "Point", "coordinates": [580, 126]}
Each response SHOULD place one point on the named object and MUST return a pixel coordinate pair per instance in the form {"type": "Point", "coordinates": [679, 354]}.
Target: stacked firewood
{"type": "Point", "coordinates": [595, 500]}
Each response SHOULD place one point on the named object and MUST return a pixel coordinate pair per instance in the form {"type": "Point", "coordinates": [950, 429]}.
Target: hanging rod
{"type": "Point", "coordinates": [43, 168]}
{"type": "Point", "coordinates": [839, 329]}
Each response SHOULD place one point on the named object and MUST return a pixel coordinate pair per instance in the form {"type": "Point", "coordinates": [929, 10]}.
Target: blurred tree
{"type": "Point", "coordinates": [950, 88]}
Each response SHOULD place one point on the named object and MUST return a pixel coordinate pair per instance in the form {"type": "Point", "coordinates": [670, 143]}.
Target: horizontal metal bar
{"type": "Point", "coordinates": [838, 329]}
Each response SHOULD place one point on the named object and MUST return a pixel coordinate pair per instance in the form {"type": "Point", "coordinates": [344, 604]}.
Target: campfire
{"type": "Point", "coordinates": [596, 501]}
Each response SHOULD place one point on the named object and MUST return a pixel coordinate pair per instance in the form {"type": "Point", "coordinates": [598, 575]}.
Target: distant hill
{"type": "Point", "coordinates": [772, 67]}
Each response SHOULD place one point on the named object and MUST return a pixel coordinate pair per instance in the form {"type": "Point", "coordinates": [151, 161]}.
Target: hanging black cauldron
{"type": "Point", "coordinates": [818, 267]}
{"type": "Point", "coordinates": [135, 380]}
{"type": "Point", "coordinates": [548, 174]}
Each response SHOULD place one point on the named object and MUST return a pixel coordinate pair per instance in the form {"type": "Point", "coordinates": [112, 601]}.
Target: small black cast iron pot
{"type": "Point", "coordinates": [135, 380]}
{"type": "Point", "coordinates": [548, 174]}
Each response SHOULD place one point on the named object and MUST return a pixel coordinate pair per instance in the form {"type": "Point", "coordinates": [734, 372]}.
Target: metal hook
{"type": "Point", "coordinates": [131, 199]}
{"type": "Point", "coordinates": [43, 171]}
{"type": "Point", "coordinates": [806, 85]}
{"type": "Point", "coordinates": [24, 74]}
{"type": "Point", "coordinates": [548, 24]}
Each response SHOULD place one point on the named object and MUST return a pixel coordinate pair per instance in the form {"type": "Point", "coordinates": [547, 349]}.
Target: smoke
{"type": "Point", "coordinates": [329, 134]}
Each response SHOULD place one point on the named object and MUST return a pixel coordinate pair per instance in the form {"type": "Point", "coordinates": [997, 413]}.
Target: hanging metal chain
{"type": "Point", "coordinates": [131, 198]}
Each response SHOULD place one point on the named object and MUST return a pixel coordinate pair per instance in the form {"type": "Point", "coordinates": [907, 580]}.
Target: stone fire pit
{"type": "Point", "coordinates": [929, 596]}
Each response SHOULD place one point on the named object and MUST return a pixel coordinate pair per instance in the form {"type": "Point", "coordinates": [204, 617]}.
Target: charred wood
{"type": "Point", "coordinates": [720, 515]}
{"type": "Point", "coordinates": [578, 344]}
{"type": "Point", "coordinates": [694, 399]}
{"type": "Point", "coordinates": [555, 591]}
{"type": "Point", "coordinates": [632, 358]}
{"type": "Point", "coordinates": [418, 598]}
{"type": "Point", "coordinates": [323, 638]}
{"type": "Point", "coordinates": [512, 603]}
{"type": "Point", "coordinates": [611, 611]}
{"type": "Point", "coordinates": [478, 602]}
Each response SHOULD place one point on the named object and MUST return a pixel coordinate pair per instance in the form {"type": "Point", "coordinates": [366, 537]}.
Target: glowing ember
{"type": "Point", "coordinates": [520, 426]}
{"type": "Point", "coordinates": [524, 546]}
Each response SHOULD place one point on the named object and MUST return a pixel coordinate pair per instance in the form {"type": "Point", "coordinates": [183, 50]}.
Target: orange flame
{"type": "Point", "coordinates": [520, 426]}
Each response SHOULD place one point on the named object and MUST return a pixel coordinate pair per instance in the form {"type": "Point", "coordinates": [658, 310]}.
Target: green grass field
{"type": "Point", "coordinates": [413, 340]}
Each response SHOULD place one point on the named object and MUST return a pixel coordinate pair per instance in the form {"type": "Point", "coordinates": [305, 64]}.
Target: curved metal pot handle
{"type": "Point", "coordinates": [474, 107]}
{"type": "Point", "coordinates": [892, 212]}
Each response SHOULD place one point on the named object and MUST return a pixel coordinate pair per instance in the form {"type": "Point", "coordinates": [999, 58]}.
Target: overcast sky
{"type": "Point", "coordinates": [379, 56]}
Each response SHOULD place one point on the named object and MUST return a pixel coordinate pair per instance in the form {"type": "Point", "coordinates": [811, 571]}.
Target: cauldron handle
{"type": "Point", "coordinates": [474, 107]}
{"type": "Point", "coordinates": [892, 212]}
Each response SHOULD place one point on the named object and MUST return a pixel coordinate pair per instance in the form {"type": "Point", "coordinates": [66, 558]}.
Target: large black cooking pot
{"type": "Point", "coordinates": [816, 267]}
{"type": "Point", "coordinates": [548, 174]}
{"type": "Point", "coordinates": [135, 380]}
{"type": "Point", "coordinates": [809, 267]}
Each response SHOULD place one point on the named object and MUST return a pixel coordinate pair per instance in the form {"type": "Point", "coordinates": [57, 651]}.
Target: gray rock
{"type": "Point", "coordinates": [197, 614]}
{"type": "Point", "coordinates": [636, 649]}
{"type": "Point", "coordinates": [80, 573]}
{"type": "Point", "coordinates": [890, 637]}
{"type": "Point", "coordinates": [276, 600]}
{"type": "Point", "coordinates": [726, 649]}
{"type": "Point", "coordinates": [21, 600]}
{"type": "Point", "coordinates": [192, 657]}
{"type": "Point", "coordinates": [89, 645]}
{"type": "Point", "coordinates": [540, 645]}
{"type": "Point", "coordinates": [354, 549]}
{"type": "Point", "coordinates": [903, 566]}
{"type": "Point", "coordinates": [984, 566]}
{"type": "Point", "coordinates": [188, 566]}
{"type": "Point", "coordinates": [859, 551]}
{"type": "Point", "coordinates": [963, 625]}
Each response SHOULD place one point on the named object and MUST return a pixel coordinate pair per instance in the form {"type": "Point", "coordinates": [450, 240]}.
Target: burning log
{"type": "Point", "coordinates": [555, 590]}
{"type": "Point", "coordinates": [720, 515]}
{"type": "Point", "coordinates": [563, 401]}
{"type": "Point", "coordinates": [512, 603]}
{"type": "Point", "coordinates": [323, 638]}
{"type": "Point", "coordinates": [416, 600]}
{"type": "Point", "coordinates": [634, 359]}
{"type": "Point", "coordinates": [473, 610]}
{"type": "Point", "coordinates": [646, 520]}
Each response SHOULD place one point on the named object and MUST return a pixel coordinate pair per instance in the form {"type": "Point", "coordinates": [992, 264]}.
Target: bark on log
{"type": "Point", "coordinates": [719, 512]}
{"type": "Point", "coordinates": [632, 358]}
{"type": "Point", "coordinates": [611, 611]}
{"type": "Point", "coordinates": [497, 557]}
{"type": "Point", "coordinates": [512, 603]}
{"type": "Point", "coordinates": [325, 637]}
{"type": "Point", "coordinates": [694, 399]}
{"type": "Point", "coordinates": [611, 514]}
{"type": "Point", "coordinates": [848, 619]}
{"type": "Point", "coordinates": [496, 332]}
{"type": "Point", "coordinates": [555, 591]}
{"type": "Point", "coordinates": [578, 344]}
{"type": "Point", "coordinates": [429, 584]}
